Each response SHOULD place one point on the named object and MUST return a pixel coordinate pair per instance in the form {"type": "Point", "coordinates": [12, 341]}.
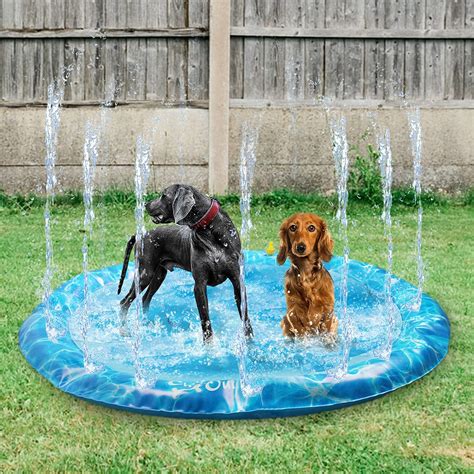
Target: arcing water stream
{"type": "Point", "coordinates": [91, 153]}
{"type": "Point", "coordinates": [55, 95]}
{"type": "Point", "coordinates": [414, 123]}
{"type": "Point", "coordinates": [340, 153]}
{"type": "Point", "coordinates": [248, 158]}
{"type": "Point", "coordinates": [142, 173]}
{"type": "Point", "coordinates": [383, 141]}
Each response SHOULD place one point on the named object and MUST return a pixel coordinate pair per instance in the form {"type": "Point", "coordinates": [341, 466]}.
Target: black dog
{"type": "Point", "coordinates": [205, 242]}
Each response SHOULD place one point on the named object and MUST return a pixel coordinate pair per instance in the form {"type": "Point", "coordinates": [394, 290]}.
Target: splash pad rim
{"type": "Point", "coordinates": [43, 358]}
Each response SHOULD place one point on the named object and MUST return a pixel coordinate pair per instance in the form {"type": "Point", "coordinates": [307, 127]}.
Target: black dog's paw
{"type": "Point", "coordinates": [208, 337]}
{"type": "Point", "coordinates": [248, 332]}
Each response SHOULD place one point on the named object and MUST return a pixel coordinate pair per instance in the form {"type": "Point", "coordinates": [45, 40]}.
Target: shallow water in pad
{"type": "Point", "coordinates": [172, 346]}
{"type": "Point", "coordinates": [186, 378]}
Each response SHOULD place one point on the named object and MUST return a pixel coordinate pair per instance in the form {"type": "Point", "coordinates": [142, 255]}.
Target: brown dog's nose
{"type": "Point", "coordinates": [300, 248]}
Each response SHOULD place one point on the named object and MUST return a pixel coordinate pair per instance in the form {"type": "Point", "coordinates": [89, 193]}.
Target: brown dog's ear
{"type": "Point", "coordinates": [283, 252]}
{"type": "Point", "coordinates": [325, 244]}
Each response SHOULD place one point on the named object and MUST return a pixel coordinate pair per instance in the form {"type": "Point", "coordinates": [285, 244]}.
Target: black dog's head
{"type": "Point", "coordinates": [178, 203]}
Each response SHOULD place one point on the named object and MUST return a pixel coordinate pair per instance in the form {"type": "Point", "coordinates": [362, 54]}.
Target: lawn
{"type": "Point", "coordinates": [427, 426]}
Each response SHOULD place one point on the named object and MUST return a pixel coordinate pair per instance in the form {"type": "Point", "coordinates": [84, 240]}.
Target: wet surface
{"type": "Point", "coordinates": [186, 378]}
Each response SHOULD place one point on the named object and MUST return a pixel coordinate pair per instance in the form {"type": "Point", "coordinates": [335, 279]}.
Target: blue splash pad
{"type": "Point", "coordinates": [187, 379]}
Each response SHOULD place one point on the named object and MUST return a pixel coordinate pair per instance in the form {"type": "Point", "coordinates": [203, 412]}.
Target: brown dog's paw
{"type": "Point", "coordinates": [333, 326]}
{"type": "Point", "coordinates": [329, 340]}
{"type": "Point", "coordinates": [288, 328]}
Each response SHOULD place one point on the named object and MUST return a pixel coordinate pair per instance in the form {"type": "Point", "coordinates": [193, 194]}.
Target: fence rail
{"type": "Point", "coordinates": [104, 33]}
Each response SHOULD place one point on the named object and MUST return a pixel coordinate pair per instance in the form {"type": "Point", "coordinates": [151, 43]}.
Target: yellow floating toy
{"type": "Point", "coordinates": [270, 249]}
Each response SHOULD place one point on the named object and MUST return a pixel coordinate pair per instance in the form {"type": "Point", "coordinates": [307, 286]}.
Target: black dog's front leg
{"type": "Point", "coordinates": [240, 294]}
{"type": "Point", "coordinates": [200, 293]}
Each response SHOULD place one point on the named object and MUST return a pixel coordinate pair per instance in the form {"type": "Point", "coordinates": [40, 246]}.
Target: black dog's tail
{"type": "Point", "coordinates": [128, 250]}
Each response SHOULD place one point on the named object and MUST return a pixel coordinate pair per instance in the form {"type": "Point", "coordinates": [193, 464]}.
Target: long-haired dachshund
{"type": "Point", "coordinates": [309, 289]}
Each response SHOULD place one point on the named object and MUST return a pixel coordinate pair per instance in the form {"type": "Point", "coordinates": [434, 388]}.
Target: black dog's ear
{"type": "Point", "coordinates": [182, 204]}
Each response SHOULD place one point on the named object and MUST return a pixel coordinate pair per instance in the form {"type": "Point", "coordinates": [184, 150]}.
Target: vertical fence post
{"type": "Point", "coordinates": [219, 64]}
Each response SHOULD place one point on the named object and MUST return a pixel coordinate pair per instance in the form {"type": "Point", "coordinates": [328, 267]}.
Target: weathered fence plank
{"type": "Point", "coordinates": [394, 50]}
{"type": "Point", "coordinates": [469, 17]}
{"type": "Point", "coordinates": [454, 70]}
{"type": "Point", "coordinates": [236, 78]}
{"type": "Point", "coordinates": [469, 53]}
{"type": "Point", "coordinates": [415, 51]}
{"type": "Point", "coordinates": [254, 53]}
{"type": "Point", "coordinates": [33, 70]}
{"type": "Point", "coordinates": [136, 13]}
{"type": "Point", "coordinates": [115, 68]}
{"type": "Point", "coordinates": [314, 13]}
{"type": "Point", "coordinates": [136, 69]}
{"type": "Point", "coordinates": [314, 17]}
{"type": "Point", "coordinates": [94, 72]}
{"type": "Point", "coordinates": [94, 14]}
{"type": "Point", "coordinates": [334, 48]}
{"type": "Point", "coordinates": [12, 14]}
{"type": "Point", "coordinates": [74, 14]}
{"type": "Point", "coordinates": [294, 53]}
{"type": "Point", "coordinates": [374, 64]}
{"type": "Point", "coordinates": [156, 14]}
{"type": "Point", "coordinates": [198, 57]}
{"type": "Point", "coordinates": [435, 51]}
{"type": "Point", "coordinates": [314, 68]}
{"type": "Point", "coordinates": [455, 13]}
{"type": "Point", "coordinates": [274, 52]}
{"type": "Point", "coordinates": [12, 77]}
{"type": "Point", "coordinates": [354, 52]}
{"type": "Point", "coordinates": [177, 53]}
{"type": "Point", "coordinates": [177, 70]}
{"type": "Point", "coordinates": [198, 69]}
{"type": "Point", "coordinates": [454, 81]}
{"type": "Point", "coordinates": [33, 14]}
{"type": "Point", "coordinates": [74, 66]}
{"type": "Point", "coordinates": [156, 69]}
{"type": "Point", "coordinates": [115, 14]}
{"type": "Point", "coordinates": [176, 13]}
{"type": "Point", "coordinates": [54, 14]}
{"type": "Point", "coordinates": [469, 70]}
{"type": "Point", "coordinates": [395, 14]}
{"type": "Point", "coordinates": [53, 63]}
{"type": "Point", "coordinates": [198, 13]}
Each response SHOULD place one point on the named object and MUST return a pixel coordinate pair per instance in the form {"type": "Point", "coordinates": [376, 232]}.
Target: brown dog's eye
{"type": "Point", "coordinates": [311, 228]}
{"type": "Point", "coordinates": [293, 227]}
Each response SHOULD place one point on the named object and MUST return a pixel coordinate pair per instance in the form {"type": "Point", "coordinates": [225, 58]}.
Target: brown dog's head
{"type": "Point", "coordinates": [302, 234]}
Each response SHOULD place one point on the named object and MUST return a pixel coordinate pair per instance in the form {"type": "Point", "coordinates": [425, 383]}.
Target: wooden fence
{"type": "Point", "coordinates": [158, 50]}
{"type": "Point", "coordinates": [134, 50]}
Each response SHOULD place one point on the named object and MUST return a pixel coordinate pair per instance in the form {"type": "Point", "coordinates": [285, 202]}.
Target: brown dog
{"type": "Point", "coordinates": [306, 241]}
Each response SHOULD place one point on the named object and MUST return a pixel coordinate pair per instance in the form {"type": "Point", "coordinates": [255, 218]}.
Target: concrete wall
{"type": "Point", "coordinates": [179, 147]}
{"type": "Point", "coordinates": [300, 156]}
{"type": "Point", "coordinates": [296, 156]}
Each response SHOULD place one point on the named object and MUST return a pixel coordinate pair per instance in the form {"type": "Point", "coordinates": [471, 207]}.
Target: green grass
{"type": "Point", "coordinates": [426, 426]}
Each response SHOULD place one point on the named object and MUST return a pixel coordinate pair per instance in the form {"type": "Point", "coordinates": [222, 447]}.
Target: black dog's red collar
{"type": "Point", "coordinates": [208, 217]}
